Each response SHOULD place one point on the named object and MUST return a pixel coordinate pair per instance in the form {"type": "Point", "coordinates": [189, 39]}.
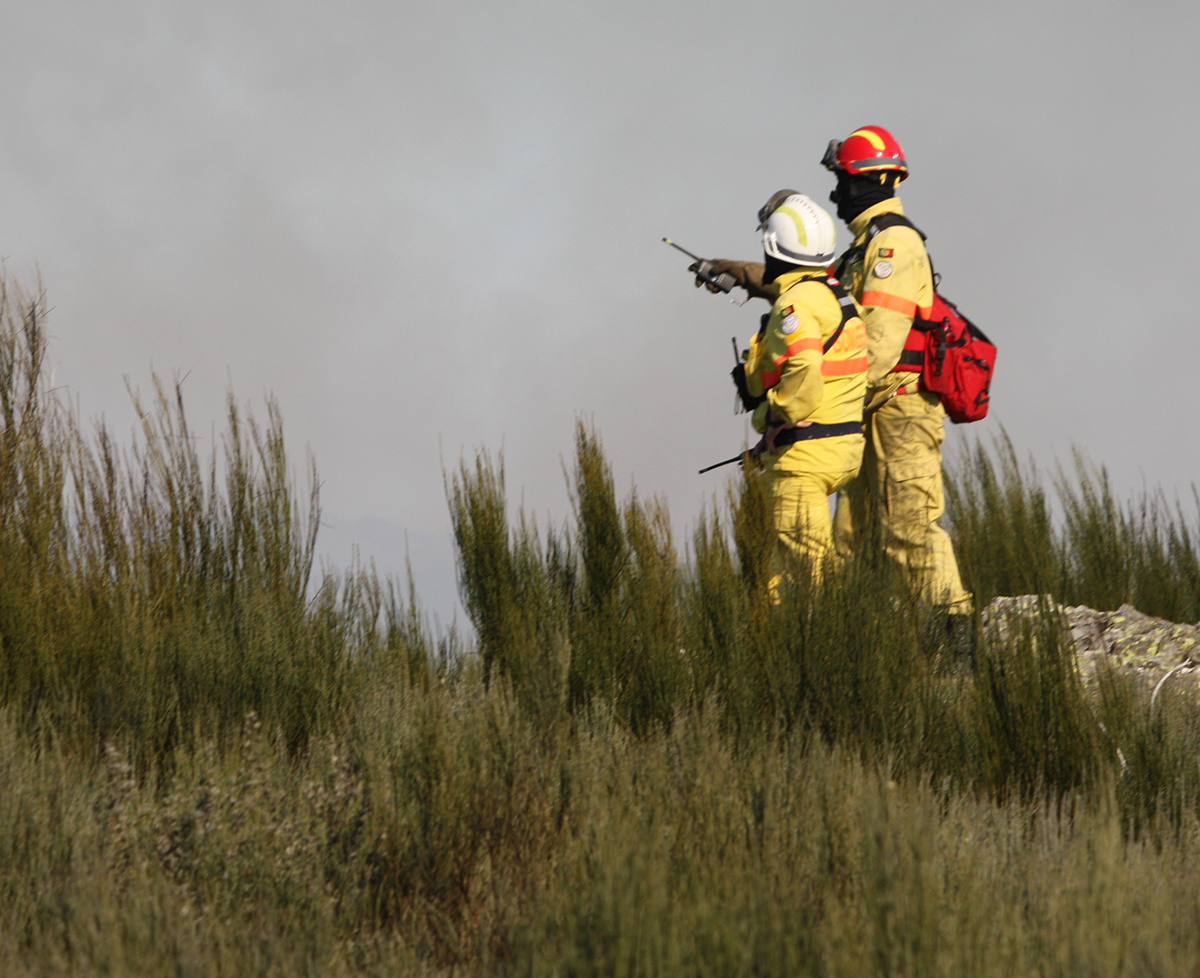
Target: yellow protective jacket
{"type": "Point", "coordinates": [893, 281]}
{"type": "Point", "coordinates": [801, 382]}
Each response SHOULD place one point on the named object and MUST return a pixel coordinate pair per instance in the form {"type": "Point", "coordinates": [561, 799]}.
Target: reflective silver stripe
{"type": "Point", "coordinates": [879, 161]}
{"type": "Point", "coordinates": [815, 259]}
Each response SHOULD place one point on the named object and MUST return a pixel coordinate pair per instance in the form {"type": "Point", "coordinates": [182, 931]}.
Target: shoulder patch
{"type": "Point", "coordinates": [882, 269]}
{"type": "Point", "coordinates": [886, 252]}
{"type": "Point", "coordinates": [789, 323]}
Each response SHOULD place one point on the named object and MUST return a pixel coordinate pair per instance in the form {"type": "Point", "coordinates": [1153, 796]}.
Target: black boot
{"type": "Point", "coordinates": [960, 636]}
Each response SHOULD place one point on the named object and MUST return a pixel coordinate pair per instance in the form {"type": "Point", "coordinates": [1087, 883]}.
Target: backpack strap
{"type": "Point", "coordinates": [880, 223]}
{"type": "Point", "coordinates": [848, 311]}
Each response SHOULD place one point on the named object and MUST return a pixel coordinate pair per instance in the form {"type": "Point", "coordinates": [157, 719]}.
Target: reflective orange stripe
{"type": "Point", "coordinates": [885, 300]}
{"type": "Point", "coordinates": [842, 368]}
{"type": "Point", "coordinates": [770, 378]}
{"type": "Point", "coordinates": [801, 344]}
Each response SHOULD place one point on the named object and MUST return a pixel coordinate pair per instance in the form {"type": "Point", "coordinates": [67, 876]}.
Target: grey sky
{"type": "Point", "coordinates": [432, 227]}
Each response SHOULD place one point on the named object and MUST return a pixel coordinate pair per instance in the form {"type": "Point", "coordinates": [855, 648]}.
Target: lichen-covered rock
{"type": "Point", "coordinates": [1004, 618]}
{"type": "Point", "coordinates": [1124, 637]}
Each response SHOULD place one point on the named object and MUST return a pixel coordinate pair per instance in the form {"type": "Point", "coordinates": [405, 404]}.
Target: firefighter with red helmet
{"type": "Point", "coordinates": [888, 270]}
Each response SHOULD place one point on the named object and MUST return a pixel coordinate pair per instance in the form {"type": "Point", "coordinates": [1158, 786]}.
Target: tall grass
{"type": "Point", "coordinates": [644, 765]}
{"type": "Point", "coordinates": [150, 592]}
{"type": "Point", "coordinates": [1100, 553]}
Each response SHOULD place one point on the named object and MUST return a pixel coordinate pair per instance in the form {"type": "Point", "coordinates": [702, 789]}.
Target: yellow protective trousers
{"type": "Point", "coordinates": [901, 487]}
{"type": "Point", "coordinates": [800, 481]}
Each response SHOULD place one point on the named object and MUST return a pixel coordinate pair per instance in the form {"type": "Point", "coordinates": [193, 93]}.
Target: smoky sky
{"type": "Point", "coordinates": [428, 228]}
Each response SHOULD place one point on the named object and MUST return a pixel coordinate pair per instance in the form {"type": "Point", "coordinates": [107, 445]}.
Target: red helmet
{"type": "Point", "coordinates": [866, 150]}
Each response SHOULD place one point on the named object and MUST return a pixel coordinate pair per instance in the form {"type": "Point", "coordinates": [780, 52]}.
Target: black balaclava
{"type": "Point", "coordinates": [855, 192]}
{"type": "Point", "coordinates": [774, 267]}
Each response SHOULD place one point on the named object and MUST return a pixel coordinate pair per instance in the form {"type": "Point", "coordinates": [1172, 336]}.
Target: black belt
{"type": "Point", "coordinates": [790, 435]}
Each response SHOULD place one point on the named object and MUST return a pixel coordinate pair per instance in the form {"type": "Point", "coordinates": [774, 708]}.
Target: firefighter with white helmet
{"type": "Point", "coordinates": [887, 269]}
{"type": "Point", "coordinates": [807, 367]}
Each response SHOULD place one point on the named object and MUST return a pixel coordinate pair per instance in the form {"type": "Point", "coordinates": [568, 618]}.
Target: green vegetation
{"type": "Point", "coordinates": [643, 768]}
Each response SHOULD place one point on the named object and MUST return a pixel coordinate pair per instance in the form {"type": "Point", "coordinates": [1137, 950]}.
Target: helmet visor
{"type": "Point", "coordinates": [771, 205]}
{"type": "Point", "coordinates": [830, 159]}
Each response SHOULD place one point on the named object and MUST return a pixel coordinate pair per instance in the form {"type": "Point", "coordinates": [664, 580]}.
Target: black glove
{"type": "Point", "coordinates": [749, 401]}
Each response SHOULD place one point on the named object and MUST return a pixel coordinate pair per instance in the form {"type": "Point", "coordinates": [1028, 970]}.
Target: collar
{"type": "Point", "coordinates": [890, 206]}
{"type": "Point", "coordinates": [788, 279]}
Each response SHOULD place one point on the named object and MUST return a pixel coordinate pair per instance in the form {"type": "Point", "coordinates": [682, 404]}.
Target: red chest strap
{"type": "Point", "coordinates": [912, 357]}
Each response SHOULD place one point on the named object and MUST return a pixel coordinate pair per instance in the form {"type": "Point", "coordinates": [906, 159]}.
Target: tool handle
{"type": "Point", "coordinates": [717, 465]}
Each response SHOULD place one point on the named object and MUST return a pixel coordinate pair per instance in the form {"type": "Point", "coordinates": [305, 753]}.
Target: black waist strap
{"type": "Point", "coordinates": [790, 435]}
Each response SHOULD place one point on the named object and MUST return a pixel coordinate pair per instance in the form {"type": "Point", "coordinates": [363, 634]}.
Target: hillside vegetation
{"type": "Point", "coordinates": [641, 767]}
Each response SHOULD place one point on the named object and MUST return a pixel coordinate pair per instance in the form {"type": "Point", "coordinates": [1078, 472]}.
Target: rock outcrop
{"type": "Point", "coordinates": [1124, 637]}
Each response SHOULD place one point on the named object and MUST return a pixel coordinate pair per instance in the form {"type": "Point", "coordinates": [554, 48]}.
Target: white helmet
{"type": "Point", "coordinates": [799, 232]}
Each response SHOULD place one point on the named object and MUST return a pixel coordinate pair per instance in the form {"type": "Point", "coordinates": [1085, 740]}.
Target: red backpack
{"type": "Point", "coordinates": [952, 354]}
{"type": "Point", "coordinates": [958, 361]}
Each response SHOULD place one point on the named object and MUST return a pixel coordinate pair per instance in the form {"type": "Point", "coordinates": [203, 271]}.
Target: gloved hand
{"type": "Point", "coordinates": [775, 425]}
{"type": "Point", "coordinates": [749, 275]}
{"type": "Point", "coordinates": [749, 401]}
